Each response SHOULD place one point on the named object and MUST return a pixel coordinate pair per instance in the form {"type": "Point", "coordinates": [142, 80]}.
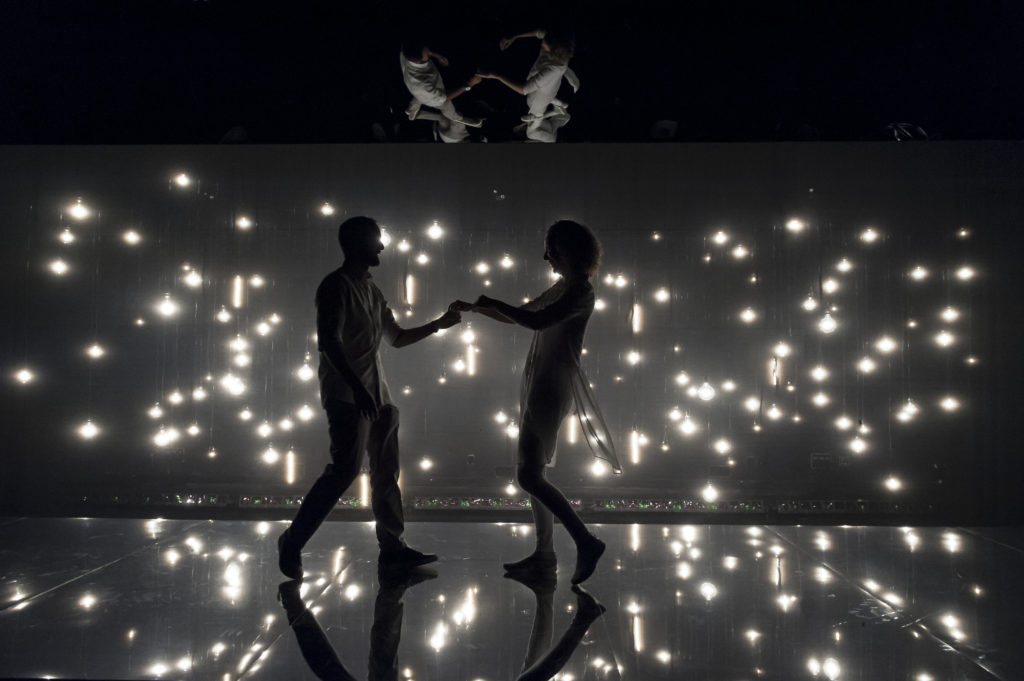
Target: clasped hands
{"type": "Point", "coordinates": [482, 303]}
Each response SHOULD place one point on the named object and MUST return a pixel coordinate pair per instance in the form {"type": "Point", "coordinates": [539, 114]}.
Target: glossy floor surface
{"type": "Point", "coordinates": [184, 599]}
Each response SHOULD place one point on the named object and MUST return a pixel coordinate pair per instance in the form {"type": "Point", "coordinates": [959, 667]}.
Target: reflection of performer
{"type": "Point", "coordinates": [352, 318]}
{"type": "Point", "coordinates": [552, 381]}
{"type": "Point", "coordinates": [423, 80]}
{"type": "Point", "coordinates": [537, 667]}
{"type": "Point", "coordinates": [385, 634]}
{"type": "Point", "coordinates": [547, 113]}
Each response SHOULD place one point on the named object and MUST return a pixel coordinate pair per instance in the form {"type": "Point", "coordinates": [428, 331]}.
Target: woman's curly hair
{"type": "Point", "coordinates": [577, 244]}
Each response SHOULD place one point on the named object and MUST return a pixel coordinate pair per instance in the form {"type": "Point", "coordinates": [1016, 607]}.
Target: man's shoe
{"type": "Point", "coordinates": [540, 582]}
{"type": "Point", "coordinates": [538, 561]}
{"type": "Point", "coordinates": [403, 578]}
{"type": "Point", "coordinates": [289, 559]}
{"type": "Point", "coordinates": [587, 607]}
{"type": "Point", "coordinates": [405, 556]}
{"type": "Point", "coordinates": [289, 595]}
{"type": "Point", "coordinates": [587, 556]}
{"type": "Point", "coordinates": [472, 122]}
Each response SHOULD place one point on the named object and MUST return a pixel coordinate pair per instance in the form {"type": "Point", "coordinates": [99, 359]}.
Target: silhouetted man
{"type": "Point", "coordinates": [352, 317]}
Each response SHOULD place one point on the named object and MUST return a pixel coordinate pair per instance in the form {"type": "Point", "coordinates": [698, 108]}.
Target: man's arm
{"type": "Point", "coordinates": [406, 337]}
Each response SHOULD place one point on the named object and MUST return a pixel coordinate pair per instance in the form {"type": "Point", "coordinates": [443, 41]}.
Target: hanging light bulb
{"type": "Point", "coordinates": [706, 391]}
{"type": "Point", "coordinates": [827, 324]}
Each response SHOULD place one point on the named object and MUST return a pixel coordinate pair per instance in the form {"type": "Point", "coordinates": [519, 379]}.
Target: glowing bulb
{"type": "Point", "coordinates": [182, 180]}
{"type": "Point", "coordinates": [781, 350]}
{"type": "Point", "coordinates": [599, 304]}
{"type": "Point", "coordinates": [193, 430]}
{"type": "Point", "coordinates": [24, 376]}
{"type": "Point", "coordinates": [866, 365]}
{"type": "Point", "coordinates": [634, 358]}
{"type": "Point", "coordinates": [795, 225]}
{"type": "Point", "coordinates": [435, 231]}
{"type": "Point", "coordinates": [243, 223]}
{"type": "Point", "coordinates": [512, 430]}
{"type": "Point", "coordinates": [965, 273]}
{"type": "Point", "coordinates": [422, 258]}
{"type": "Point", "coordinates": [270, 455]}
{"type": "Point", "coordinates": [720, 237]}
{"type": "Point", "coordinates": [918, 273]}
{"type": "Point", "coordinates": [944, 339]}
{"type": "Point", "coordinates": [510, 489]}
{"type": "Point", "coordinates": [729, 386]}
{"type": "Point", "coordinates": [305, 413]}
{"type": "Point", "coordinates": [305, 372]}
{"type": "Point", "coordinates": [58, 267]}
{"type": "Point", "coordinates": [131, 237]}
{"type": "Point", "coordinates": [885, 345]}
{"type": "Point", "coordinates": [810, 303]}
{"type": "Point", "coordinates": [468, 336]}
{"type": "Point", "coordinates": [193, 279]}
{"type": "Point", "coordinates": [949, 403]}
{"type": "Point", "coordinates": [88, 430]}
{"type": "Point", "coordinates": [869, 236]}
{"type": "Point", "coordinates": [893, 484]}
{"type": "Point", "coordinates": [752, 404]}
{"type": "Point", "coordinates": [66, 237]}
{"type": "Point", "coordinates": [950, 314]}
{"type": "Point", "coordinates": [426, 464]}
{"type": "Point", "coordinates": [709, 493]}
{"type": "Point", "coordinates": [708, 590]}
{"type": "Point", "coordinates": [662, 295]}
{"type": "Point", "coordinates": [827, 324]}
{"type": "Point", "coordinates": [506, 262]}
{"type": "Point", "coordinates": [844, 265]}
{"type": "Point", "coordinates": [688, 427]}
{"type": "Point", "coordinates": [620, 281]}
{"type": "Point", "coordinates": [95, 351]}
{"type": "Point", "coordinates": [265, 429]}
{"type": "Point", "coordinates": [385, 237]}
{"type": "Point", "coordinates": [176, 397]}
{"type": "Point", "coordinates": [327, 209]}
{"type": "Point", "coordinates": [844, 422]}
{"type": "Point", "coordinates": [722, 446]}
{"type": "Point", "coordinates": [482, 268]}
{"type": "Point", "coordinates": [830, 286]}
{"type": "Point", "coordinates": [706, 391]}
{"type": "Point", "coordinates": [167, 307]}
{"type": "Point", "coordinates": [774, 413]}
{"type": "Point", "coordinates": [820, 399]}
{"type": "Point", "coordinates": [682, 378]}
{"type": "Point", "coordinates": [740, 252]}
{"type": "Point", "coordinates": [747, 315]}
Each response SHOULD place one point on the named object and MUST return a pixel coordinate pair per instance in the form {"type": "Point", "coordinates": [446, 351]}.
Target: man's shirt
{"type": "Point", "coordinates": [353, 314]}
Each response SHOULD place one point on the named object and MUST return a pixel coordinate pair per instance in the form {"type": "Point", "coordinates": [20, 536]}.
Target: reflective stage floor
{"type": "Point", "coordinates": [185, 599]}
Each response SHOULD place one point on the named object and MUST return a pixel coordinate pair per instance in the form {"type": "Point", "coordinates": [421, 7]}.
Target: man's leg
{"type": "Point", "coordinates": [349, 432]}
{"type": "Point", "coordinates": [385, 497]}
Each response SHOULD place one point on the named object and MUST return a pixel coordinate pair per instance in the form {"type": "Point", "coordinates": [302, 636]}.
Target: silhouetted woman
{"type": "Point", "coordinates": [553, 382]}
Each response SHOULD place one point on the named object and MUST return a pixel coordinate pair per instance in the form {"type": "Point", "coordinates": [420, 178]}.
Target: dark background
{"type": "Point", "coordinates": [190, 71]}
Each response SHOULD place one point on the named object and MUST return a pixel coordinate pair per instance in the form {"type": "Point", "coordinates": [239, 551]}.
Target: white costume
{"type": "Point", "coordinates": [427, 88]}
{"type": "Point", "coordinates": [553, 380]}
{"type": "Point", "coordinates": [547, 114]}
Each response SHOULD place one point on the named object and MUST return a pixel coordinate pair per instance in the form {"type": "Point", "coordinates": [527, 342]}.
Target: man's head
{"type": "Point", "coordinates": [414, 47]}
{"type": "Point", "coordinates": [359, 238]}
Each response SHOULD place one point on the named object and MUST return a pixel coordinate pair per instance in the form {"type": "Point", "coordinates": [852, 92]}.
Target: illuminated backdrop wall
{"type": "Point", "coordinates": [825, 321]}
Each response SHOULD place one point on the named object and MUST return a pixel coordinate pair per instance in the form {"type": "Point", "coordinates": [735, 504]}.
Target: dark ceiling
{"type": "Point", "coordinates": [192, 71]}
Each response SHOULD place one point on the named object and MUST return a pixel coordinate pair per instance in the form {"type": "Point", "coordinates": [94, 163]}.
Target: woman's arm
{"type": "Point", "coordinates": [515, 87]}
{"type": "Point", "coordinates": [561, 309]}
{"type": "Point", "coordinates": [505, 42]}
